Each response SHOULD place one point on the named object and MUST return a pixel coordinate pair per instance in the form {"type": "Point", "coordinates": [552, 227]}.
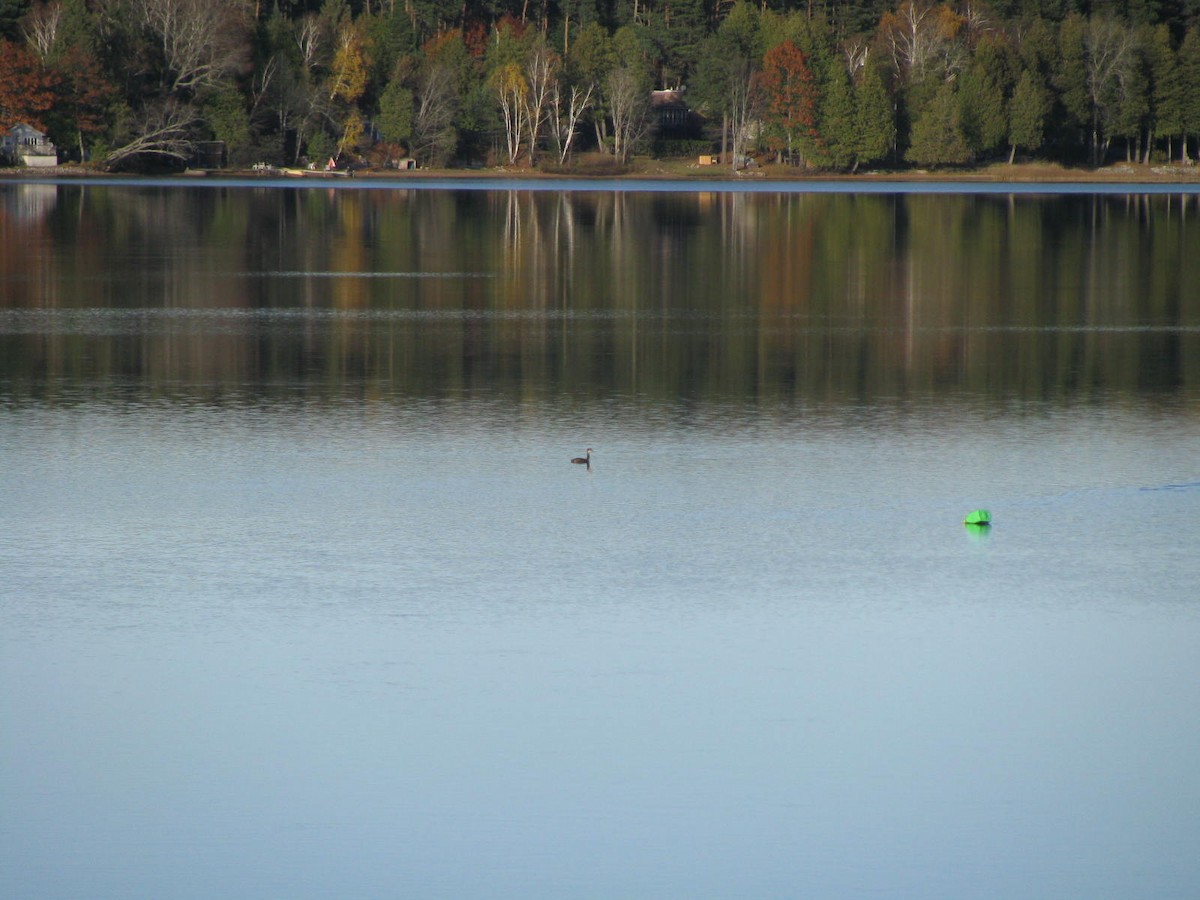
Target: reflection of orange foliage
{"type": "Point", "coordinates": [347, 252]}
{"type": "Point", "coordinates": [787, 261]}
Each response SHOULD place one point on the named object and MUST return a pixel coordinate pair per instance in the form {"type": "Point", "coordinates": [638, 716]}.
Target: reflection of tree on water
{"type": "Point", "coordinates": [663, 295]}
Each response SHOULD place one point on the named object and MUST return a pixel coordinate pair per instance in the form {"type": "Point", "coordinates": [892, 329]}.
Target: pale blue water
{"type": "Point", "coordinates": [280, 635]}
{"type": "Point", "coordinates": [395, 650]}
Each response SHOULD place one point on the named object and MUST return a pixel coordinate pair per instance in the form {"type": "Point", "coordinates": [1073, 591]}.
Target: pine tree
{"type": "Point", "coordinates": [1027, 113]}
{"type": "Point", "coordinates": [875, 123]}
{"type": "Point", "coordinates": [395, 121]}
{"type": "Point", "coordinates": [838, 137]}
{"type": "Point", "coordinates": [1071, 78]}
{"type": "Point", "coordinates": [11, 12]}
{"type": "Point", "coordinates": [937, 136]}
{"type": "Point", "coordinates": [1166, 98]}
{"type": "Point", "coordinates": [981, 110]}
{"type": "Point", "coordinates": [1189, 79]}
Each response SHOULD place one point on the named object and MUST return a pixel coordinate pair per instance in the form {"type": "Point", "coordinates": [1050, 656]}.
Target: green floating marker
{"type": "Point", "coordinates": [978, 517]}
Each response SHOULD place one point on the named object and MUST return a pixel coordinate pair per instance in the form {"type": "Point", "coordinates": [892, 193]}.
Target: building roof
{"type": "Point", "coordinates": [672, 99]}
{"type": "Point", "coordinates": [26, 130]}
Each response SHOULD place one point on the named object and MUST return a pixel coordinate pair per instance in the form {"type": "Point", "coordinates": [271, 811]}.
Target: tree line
{"type": "Point", "coordinates": [826, 85]}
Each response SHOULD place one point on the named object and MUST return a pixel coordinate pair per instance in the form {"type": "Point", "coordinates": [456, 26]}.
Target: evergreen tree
{"type": "Point", "coordinates": [225, 112]}
{"type": "Point", "coordinates": [1189, 85]}
{"type": "Point", "coordinates": [11, 12]}
{"type": "Point", "coordinates": [592, 55]}
{"type": "Point", "coordinates": [836, 120]}
{"type": "Point", "coordinates": [1166, 97]}
{"type": "Point", "coordinates": [387, 37]}
{"type": "Point", "coordinates": [1036, 47]}
{"type": "Point", "coordinates": [875, 123]}
{"type": "Point", "coordinates": [1072, 77]}
{"type": "Point", "coordinates": [1132, 113]}
{"type": "Point", "coordinates": [78, 26]}
{"type": "Point", "coordinates": [395, 120]}
{"type": "Point", "coordinates": [677, 29]}
{"type": "Point", "coordinates": [1116, 84]}
{"type": "Point", "coordinates": [981, 110]}
{"type": "Point", "coordinates": [725, 79]}
{"type": "Point", "coordinates": [937, 136]}
{"type": "Point", "coordinates": [588, 64]}
{"type": "Point", "coordinates": [1027, 113]}
{"type": "Point", "coordinates": [998, 60]}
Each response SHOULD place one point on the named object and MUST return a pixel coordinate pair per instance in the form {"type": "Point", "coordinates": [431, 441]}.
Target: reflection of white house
{"type": "Point", "coordinates": [30, 202]}
{"type": "Point", "coordinates": [25, 144]}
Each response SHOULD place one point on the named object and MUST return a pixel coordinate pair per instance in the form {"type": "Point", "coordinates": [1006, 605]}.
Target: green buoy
{"type": "Point", "coordinates": [978, 517]}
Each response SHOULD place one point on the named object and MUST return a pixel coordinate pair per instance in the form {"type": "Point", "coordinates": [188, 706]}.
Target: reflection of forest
{"type": "Point", "coordinates": [705, 295]}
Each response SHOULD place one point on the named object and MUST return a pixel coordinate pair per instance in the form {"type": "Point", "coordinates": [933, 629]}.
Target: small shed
{"type": "Point", "coordinates": [670, 112]}
{"type": "Point", "coordinates": [25, 145]}
{"type": "Point", "coordinates": [673, 118]}
{"type": "Point", "coordinates": [209, 155]}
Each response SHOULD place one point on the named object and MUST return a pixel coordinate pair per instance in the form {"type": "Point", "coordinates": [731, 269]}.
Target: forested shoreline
{"type": "Point", "coordinates": [141, 84]}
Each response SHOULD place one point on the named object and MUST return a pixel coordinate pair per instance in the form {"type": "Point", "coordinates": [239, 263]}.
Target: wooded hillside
{"type": "Point", "coordinates": [836, 85]}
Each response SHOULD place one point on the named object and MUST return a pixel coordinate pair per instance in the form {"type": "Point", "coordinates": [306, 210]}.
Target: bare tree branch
{"type": "Point", "coordinates": [40, 27]}
{"type": "Point", "coordinates": [541, 74]}
{"type": "Point", "coordinates": [629, 107]}
{"type": "Point", "coordinates": [201, 41]}
{"type": "Point", "coordinates": [434, 137]}
{"type": "Point", "coordinates": [165, 132]}
{"type": "Point", "coordinates": [565, 122]}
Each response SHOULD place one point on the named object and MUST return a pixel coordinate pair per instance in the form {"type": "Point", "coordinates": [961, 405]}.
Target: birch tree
{"type": "Point", "coordinates": [1108, 60]}
{"type": "Point", "coordinates": [629, 107]}
{"type": "Point", "coordinates": [434, 136]}
{"type": "Point", "coordinates": [568, 106]}
{"type": "Point", "coordinates": [511, 91]}
{"type": "Point", "coordinates": [41, 28]}
{"type": "Point", "coordinates": [542, 69]}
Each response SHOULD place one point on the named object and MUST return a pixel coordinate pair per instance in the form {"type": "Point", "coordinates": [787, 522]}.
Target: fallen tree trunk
{"type": "Point", "coordinates": [165, 134]}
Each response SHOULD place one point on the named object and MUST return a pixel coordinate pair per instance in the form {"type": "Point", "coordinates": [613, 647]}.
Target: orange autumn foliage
{"type": "Point", "coordinates": [27, 88]}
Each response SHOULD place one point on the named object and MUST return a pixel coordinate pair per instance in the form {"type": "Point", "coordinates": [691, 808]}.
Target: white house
{"type": "Point", "coordinates": [24, 144]}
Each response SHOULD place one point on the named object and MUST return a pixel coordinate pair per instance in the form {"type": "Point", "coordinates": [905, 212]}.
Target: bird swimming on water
{"type": "Point", "coordinates": [584, 460]}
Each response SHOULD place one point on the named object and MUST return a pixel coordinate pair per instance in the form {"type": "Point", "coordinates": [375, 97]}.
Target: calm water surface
{"type": "Point", "coordinates": [301, 597]}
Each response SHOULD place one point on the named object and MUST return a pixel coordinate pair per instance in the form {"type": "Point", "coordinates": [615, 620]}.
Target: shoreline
{"type": "Point", "coordinates": [671, 171]}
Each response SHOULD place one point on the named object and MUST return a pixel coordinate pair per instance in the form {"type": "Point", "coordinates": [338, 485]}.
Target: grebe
{"type": "Point", "coordinates": [584, 460]}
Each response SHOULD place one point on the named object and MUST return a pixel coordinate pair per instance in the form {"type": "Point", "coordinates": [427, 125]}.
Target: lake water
{"type": "Point", "coordinates": [300, 595]}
